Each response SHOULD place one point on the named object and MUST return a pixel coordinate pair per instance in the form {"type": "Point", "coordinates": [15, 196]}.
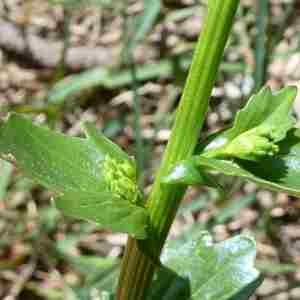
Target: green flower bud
{"type": "Point", "coordinates": [121, 178]}
{"type": "Point", "coordinates": [250, 145]}
{"type": "Point", "coordinates": [129, 169]}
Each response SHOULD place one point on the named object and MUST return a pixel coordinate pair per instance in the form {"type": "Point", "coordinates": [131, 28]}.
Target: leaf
{"type": "Point", "coordinates": [104, 144]}
{"type": "Point", "coordinates": [186, 174]}
{"type": "Point", "coordinates": [280, 172]}
{"type": "Point", "coordinates": [261, 107]}
{"type": "Point", "coordinates": [203, 270]}
{"type": "Point", "coordinates": [71, 86]}
{"type": "Point", "coordinates": [274, 267]}
{"type": "Point", "coordinates": [75, 84]}
{"type": "Point", "coordinates": [81, 172]}
{"type": "Point", "coordinates": [255, 131]}
{"type": "Point", "coordinates": [105, 210]}
{"type": "Point", "coordinates": [189, 174]}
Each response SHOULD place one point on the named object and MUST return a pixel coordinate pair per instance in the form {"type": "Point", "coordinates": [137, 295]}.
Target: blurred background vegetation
{"type": "Point", "coordinates": [122, 65]}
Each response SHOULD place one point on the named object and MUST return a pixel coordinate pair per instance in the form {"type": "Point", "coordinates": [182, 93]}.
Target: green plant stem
{"type": "Point", "coordinates": [142, 256]}
{"type": "Point", "coordinates": [140, 152]}
{"type": "Point", "coordinates": [61, 67]}
{"type": "Point", "coordinates": [261, 44]}
{"type": "Point", "coordinates": [128, 59]}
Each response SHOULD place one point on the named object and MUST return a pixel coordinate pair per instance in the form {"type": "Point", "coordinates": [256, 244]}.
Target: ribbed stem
{"type": "Point", "coordinates": [142, 256]}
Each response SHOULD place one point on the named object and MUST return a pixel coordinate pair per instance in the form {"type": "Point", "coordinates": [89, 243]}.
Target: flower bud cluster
{"type": "Point", "coordinates": [250, 145]}
{"type": "Point", "coordinates": [121, 178]}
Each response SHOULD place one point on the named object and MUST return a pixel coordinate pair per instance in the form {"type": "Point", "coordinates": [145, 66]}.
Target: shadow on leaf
{"type": "Point", "coordinates": [272, 168]}
{"type": "Point", "coordinates": [170, 285]}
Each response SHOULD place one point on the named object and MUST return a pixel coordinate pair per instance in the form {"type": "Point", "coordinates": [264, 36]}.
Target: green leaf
{"type": "Point", "coordinates": [92, 178]}
{"type": "Point", "coordinates": [186, 174]}
{"type": "Point", "coordinates": [274, 267]}
{"type": "Point", "coordinates": [74, 84]}
{"type": "Point", "coordinates": [104, 144]}
{"type": "Point", "coordinates": [203, 270]}
{"type": "Point", "coordinates": [262, 107]}
{"type": "Point", "coordinates": [238, 151]}
{"type": "Point", "coordinates": [71, 86]}
{"type": "Point", "coordinates": [280, 172]}
{"type": "Point", "coordinates": [106, 210]}
{"type": "Point", "coordinates": [255, 131]}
